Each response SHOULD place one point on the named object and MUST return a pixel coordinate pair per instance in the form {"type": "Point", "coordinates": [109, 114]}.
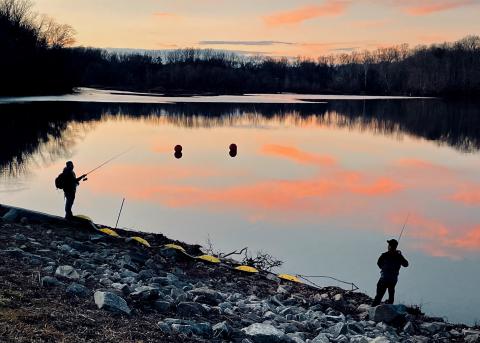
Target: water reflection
{"type": "Point", "coordinates": [45, 128]}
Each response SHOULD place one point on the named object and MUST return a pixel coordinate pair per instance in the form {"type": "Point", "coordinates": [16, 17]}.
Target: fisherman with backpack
{"type": "Point", "coordinates": [68, 181]}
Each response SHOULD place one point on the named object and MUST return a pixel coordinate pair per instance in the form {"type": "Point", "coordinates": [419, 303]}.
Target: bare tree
{"type": "Point", "coordinates": [56, 35]}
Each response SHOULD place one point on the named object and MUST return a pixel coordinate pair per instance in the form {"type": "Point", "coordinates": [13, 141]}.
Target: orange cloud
{"type": "Point", "coordinates": [438, 239]}
{"type": "Point", "coordinates": [285, 199]}
{"type": "Point", "coordinates": [296, 16]}
{"type": "Point", "coordinates": [297, 155]}
{"type": "Point", "coordinates": [433, 6]}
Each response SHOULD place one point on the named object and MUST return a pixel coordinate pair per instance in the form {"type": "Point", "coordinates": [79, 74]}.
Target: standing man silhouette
{"type": "Point", "coordinates": [389, 264]}
{"type": "Point", "coordinates": [70, 183]}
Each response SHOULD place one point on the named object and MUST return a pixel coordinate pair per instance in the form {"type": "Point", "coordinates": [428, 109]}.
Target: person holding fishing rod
{"type": "Point", "coordinates": [69, 182]}
{"type": "Point", "coordinates": [389, 263]}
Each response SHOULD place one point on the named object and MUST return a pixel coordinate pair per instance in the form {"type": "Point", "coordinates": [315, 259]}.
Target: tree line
{"type": "Point", "coordinates": [36, 58]}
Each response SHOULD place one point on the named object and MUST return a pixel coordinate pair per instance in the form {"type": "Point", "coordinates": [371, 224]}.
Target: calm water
{"type": "Point", "coordinates": [321, 186]}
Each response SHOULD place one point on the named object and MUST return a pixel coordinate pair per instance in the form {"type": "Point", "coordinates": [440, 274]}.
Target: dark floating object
{"type": "Point", "coordinates": [178, 154]}
{"type": "Point", "coordinates": [178, 148]}
{"type": "Point", "coordinates": [233, 150]}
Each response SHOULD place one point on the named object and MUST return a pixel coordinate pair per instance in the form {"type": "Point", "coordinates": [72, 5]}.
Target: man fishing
{"type": "Point", "coordinates": [70, 182]}
{"type": "Point", "coordinates": [389, 263]}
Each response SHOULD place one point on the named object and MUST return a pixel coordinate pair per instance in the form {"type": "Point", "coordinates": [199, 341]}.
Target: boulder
{"type": "Point", "coordinates": [338, 329]}
{"type": "Point", "coordinates": [432, 328]}
{"type": "Point", "coordinates": [49, 281]}
{"type": "Point", "coordinates": [77, 290]}
{"type": "Point", "coordinates": [111, 302]}
{"type": "Point", "coordinates": [264, 333]}
{"type": "Point", "coordinates": [145, 293]}
{"type": "Point", "coordinates": [182, 329]}
{"type": "Point", "coordinates": [321, 338]}
{"type": "Point", "coordinates": [67, 273]}
{"type": "Point", "coordinates": [386, 313]}
{"type": "Point", "coordinates": [162, 306]}
{"type": "Point", "coordinates": [202, 329]}
{"type": "Point", "coordinates": [222, 330]}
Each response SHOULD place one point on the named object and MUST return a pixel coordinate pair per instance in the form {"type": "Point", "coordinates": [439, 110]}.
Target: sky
{"type": "Point", "coordinates": [271, 27]}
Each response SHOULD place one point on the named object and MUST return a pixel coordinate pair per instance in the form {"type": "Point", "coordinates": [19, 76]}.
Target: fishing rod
{"type": "Point", "coordinates": [106, 162]}
{"type": "Point", "coordinates": [403, 228]}
{"type": "Point", "coordinates": [119, 213]}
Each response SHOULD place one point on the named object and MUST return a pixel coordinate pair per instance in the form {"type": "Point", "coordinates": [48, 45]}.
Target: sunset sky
{"type": "Point", "coordinates": [270, 27]}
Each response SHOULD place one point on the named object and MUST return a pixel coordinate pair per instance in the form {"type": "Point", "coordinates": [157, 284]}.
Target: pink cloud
{"type": "Point", "coordinates": [297, 155]}
{"type": "Point", "coordinates": [468, 195]}
{"type": "Point", "coordinates": [164, 15]}
{"type": "Point", "coordinates": [426, 7]}
{"type": "Point", "coordinates": [298, 15]}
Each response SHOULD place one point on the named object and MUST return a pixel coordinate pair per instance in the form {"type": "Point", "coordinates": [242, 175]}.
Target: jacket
{"type": "Point", "coordinates": [390, 263]}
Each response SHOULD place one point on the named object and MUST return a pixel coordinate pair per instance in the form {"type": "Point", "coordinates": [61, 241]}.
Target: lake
{"type": "Point", "coordinates": [319, 182]}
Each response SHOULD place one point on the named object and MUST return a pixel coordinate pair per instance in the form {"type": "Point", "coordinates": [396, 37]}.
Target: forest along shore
{"type": "Point", "coordinates": [68, 281]}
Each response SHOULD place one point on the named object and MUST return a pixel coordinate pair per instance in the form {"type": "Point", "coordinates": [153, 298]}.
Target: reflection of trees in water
{"type": "Point", "coordinates": [33, 136]}
{"type": "Point", "coordinates": [44, 132]}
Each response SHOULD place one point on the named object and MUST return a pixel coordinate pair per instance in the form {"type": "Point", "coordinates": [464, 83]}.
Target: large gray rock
{"type": "Point", "coordinates": [222, 330]}
{"type": "Point", "coordinates": [182, 329]}
{"type": "Point", "coordinates": [386, 313]}
{"type": "Point", "coordinates": [206, 296]}
{"type": "Point", "coordinates": [145, 293]}
{"type": "Point", "coordinates": [77, 290]}
{"type": "Point", "coordinates": [49, 281]}
{"type": "Point", "coordinates": [162, 306]}
{"type": "Point", "coordinates": [432, 328]}
{"type": "Point", "coordinates": [265, 333]}
{"type": "Point", "coordinates": [321, 338]}
{"type": "Point", "coordinates": [111, 302]}
{"type": "Point", "coordinates": [67, 273]}
{"type": "Point", "coordinates": [338, 329]}
{"type": "Point", "coordinates": [359, 339]}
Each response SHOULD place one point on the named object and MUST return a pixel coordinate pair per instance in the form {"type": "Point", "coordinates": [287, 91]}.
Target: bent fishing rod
{"type": "Point", "coordinates": [105, 163]}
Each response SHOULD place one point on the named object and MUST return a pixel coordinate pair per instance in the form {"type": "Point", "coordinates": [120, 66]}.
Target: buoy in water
{"type": "Point", "coordinates": [178, 151]}
{"type": "Point", "coordinates": [233, 150]}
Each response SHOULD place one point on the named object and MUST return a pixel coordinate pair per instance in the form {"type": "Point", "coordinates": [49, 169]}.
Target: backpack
{"type": "Point", "coordinates": [60, 181]}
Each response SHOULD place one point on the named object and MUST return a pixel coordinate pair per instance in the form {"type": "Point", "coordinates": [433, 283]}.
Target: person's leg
{"type": "Point", "coordinates": [391, 292]}
{"type": "Point", "coordinates": [69, 199]}
{"type": "Point", "coordinates": [381, 289]}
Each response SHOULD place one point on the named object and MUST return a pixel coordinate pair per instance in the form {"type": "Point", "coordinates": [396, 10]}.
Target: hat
{"type": "Point", "coordinates": [393, 243]}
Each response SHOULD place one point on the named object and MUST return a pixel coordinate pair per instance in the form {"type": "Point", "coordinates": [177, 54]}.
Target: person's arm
{"type": "Point", "coordinates": [380, 261]}
{"type": "Point", "coordinates": [403, 260]}
{"type": "Point", "coordinates": [80, 178]}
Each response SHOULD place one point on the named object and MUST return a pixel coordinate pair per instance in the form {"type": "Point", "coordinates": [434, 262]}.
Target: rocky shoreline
{"type": "Point", "coordinates": [67, 281]}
